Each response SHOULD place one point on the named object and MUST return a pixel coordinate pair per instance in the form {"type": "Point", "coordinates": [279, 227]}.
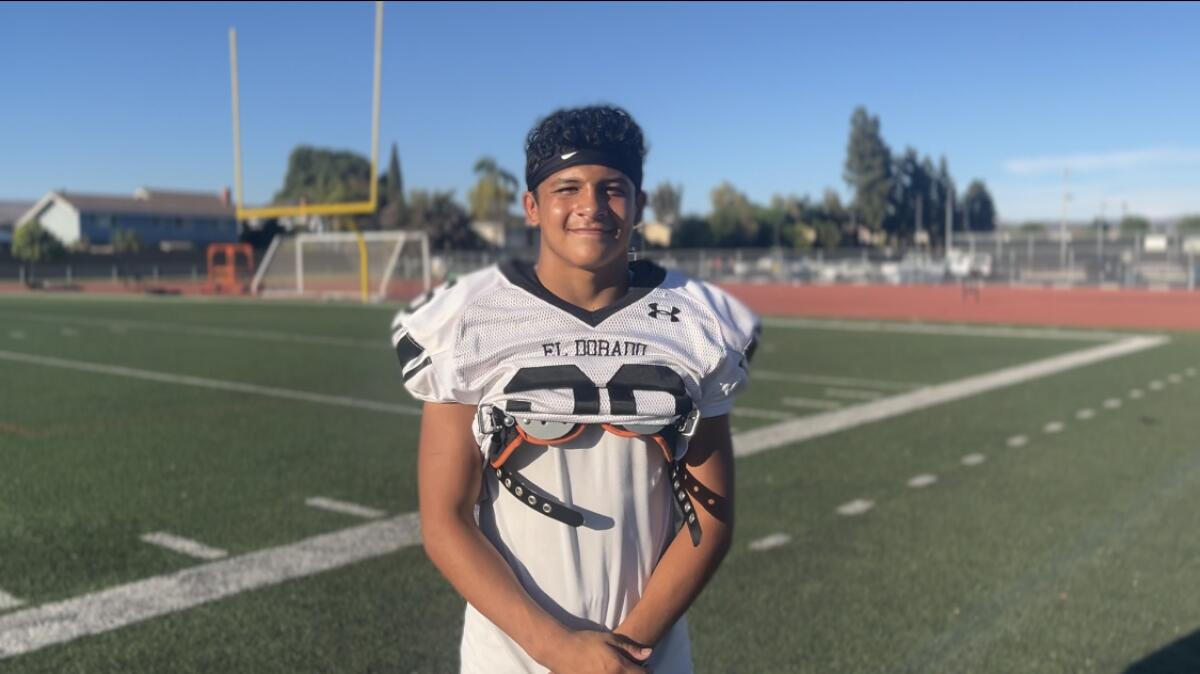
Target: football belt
{"type": "Point", "coordinates": [507, 433]}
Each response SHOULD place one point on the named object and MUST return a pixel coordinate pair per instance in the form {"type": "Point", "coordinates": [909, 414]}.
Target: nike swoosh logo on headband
{"type": "Point", "coordinates": [569, 155]}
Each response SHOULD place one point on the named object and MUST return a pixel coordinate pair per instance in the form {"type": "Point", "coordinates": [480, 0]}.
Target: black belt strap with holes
{"type": "Point", "coordinates": [505, 432]}
{"type": "Point", "coordinates": [534, 498]}
{"type": "Point", "coordinates": [683, 502]}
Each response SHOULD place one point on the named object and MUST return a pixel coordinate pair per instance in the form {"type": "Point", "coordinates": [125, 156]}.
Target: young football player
{"type": "Point", "coordinates": [575, 462]}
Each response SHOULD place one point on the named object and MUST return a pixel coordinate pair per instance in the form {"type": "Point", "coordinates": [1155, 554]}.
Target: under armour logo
{"type": "Point", "coordinates": [671, 314]}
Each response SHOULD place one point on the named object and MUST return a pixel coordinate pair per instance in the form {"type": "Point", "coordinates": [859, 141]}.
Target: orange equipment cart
{"type": "Point", "coordinates": [223, 271]}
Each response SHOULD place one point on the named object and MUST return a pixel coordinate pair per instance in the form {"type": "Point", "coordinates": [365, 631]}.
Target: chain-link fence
{"type": "Point", "coordinates": [1145, 261]}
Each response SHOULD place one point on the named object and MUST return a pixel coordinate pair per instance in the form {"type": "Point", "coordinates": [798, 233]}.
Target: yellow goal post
{"type": "Point", "coordinates": [303, 210]}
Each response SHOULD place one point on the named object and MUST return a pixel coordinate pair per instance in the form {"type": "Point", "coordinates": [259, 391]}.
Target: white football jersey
{"type": "Point", "coordinates": [498, 337]}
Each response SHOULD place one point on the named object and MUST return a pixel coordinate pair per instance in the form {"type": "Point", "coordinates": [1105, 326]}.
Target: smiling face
{"type": "Point", "coordinates": [586, 214]}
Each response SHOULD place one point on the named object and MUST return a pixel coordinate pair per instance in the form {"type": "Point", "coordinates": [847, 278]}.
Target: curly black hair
{"type": "Point", "coordinates": [595, 127]}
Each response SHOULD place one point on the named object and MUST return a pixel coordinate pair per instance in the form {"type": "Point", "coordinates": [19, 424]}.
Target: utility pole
{"type": "Point", "coordinates": [920, 223]}
{"type": "Point", "coordinates": [949, 220]}
{"type": "Point", "coordinates": [1062, 225]}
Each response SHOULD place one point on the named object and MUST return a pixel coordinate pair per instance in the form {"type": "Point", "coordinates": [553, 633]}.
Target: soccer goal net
{"type": "Point", "coordinates": [332, 265]}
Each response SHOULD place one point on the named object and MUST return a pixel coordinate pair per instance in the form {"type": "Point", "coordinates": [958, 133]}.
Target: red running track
{"type": "Point", "coordinates": [1081, 307]}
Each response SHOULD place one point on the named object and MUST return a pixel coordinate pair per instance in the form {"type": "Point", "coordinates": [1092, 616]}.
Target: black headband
{"type": "Point", "coordinates": [629, 166]}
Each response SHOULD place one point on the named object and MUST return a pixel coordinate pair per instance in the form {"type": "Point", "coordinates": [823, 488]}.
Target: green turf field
{"type": "Point", "coordinates": [972, 535]}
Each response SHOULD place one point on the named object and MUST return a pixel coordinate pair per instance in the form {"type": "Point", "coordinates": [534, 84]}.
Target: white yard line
{"type": "Point", "coordinates": [811, 403]}
{"type": "Point", "coordinates": [921, 481]}
{"type": "Point", "coordinates": [944, 329]}
{"type": "Point", "coordinates": [824, 380]}
{"type": "Point", "coordinates": [825, 423]}
{"type": "Point", "coordinates": [124, 325]}
{"type": "Point", "coordinates": [973, 459]}
{"type": "Point", "coordinates": [755, 413]}
{"type": "Point", "coordinates": [184, 546]}
{"type": "Point", "coordinates": [38, 627]}
{"type": "Point", "coordinates": [852, 394]}
{"type": "Point", "coordinates": [7, 601]}
{"type": "Point", "coordinates": [855, 507]}
{"type": "Point", "coordinates": [767, 542]}
{"type": "Point", "coordinates": [343, 507]}
{"type": "Point", "coordinates": [201, 382]}
{"type": "Point", "coordinates": [1018, 441]}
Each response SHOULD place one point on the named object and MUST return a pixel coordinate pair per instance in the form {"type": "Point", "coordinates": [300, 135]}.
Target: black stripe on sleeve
{"type": "Point", "coordinates": [411, 373]}
{"type": "Point", "coordinates": [750, 348]}
{"type": "Point", "coordinates": [408, 350]}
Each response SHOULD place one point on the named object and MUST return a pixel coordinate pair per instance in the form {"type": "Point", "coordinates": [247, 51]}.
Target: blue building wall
{"type": "Point", "coordinates": [99, 228]}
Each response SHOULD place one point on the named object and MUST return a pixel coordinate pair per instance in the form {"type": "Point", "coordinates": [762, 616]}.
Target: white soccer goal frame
{"type": "Point", "coordinates": [379, 293]}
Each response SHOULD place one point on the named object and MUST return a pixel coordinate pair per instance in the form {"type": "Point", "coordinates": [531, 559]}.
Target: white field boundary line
{"type": "Point", "coordinates": [201, 382]}
{"type": "Point", "coordinates": [343, 507]}
{"type": "Point", "coordinates": [797, 378]}
{"type": "Point", "coordinates": [755, 413]}
{"type": "Point", "coordinates": [35, 628]}
{"type": "Point", "coordinates": [8, 601]}
{"type": "Point", "coordinates": [41, 626]}
{"type": "Point", "coordinates": [811, 403]}
{"type": "Point", "coordinates": [245, 301]}
{"type": "Point", "coordinates": [183, 546]}
{"type": "Point", "coordinates": [853, 394]}
{"type": "Point", "coordinates": [854, 326]}
{"type": "Point", "coordinates": [825, 423]}
{"type": "Point", "coordinates": [200, 331]}
{"type": "Point", "coordinates": [945, 329]}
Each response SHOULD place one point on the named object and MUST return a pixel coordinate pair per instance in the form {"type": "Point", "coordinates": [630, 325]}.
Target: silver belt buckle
{"type": "Point", "coordinates": [483, 419]}
{"type": "Point", "coordinates": [688, 427]}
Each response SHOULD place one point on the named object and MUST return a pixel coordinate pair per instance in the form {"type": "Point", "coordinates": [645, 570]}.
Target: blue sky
{"type": "Point", "coordinates": [107, 97]}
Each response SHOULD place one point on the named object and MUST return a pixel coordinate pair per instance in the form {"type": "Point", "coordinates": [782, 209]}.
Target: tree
{"type": "Point", "coordinates": [979, 209]}
{"type": "Point", "coordinates": [1189, 225]}
{"type": "Point", "coordinates": [325, 176]}
{"type": "Point", "coordinates": [732, 218]}
{"type": "Point", "coordinates": [126, 241]}
{"type": "Point", "coordinates": [261, 237]}
{"type": "Point", "coordinates": [391, 215]}
{"type": "Point", "coordinates": [34, 243]}
{"type": "Point", "coordinates": [318, 176]}
{"type": "Point", "coordinates": [1134, 224]}
{"type": "Point", "coordinates": [493, 193]}
{"type": "Point", "coordinates": [868, 169]}
{"type": "Point", "coordinates": [829, 234]}
{"type": "Point", "coordinates": [692, 232]}
{"type": "Point", "coordinates": [446, 223]}
{"type": "Point", "coordinates": [667, 200]}
{"type": "Point", "coordinates": [910, 196]}
{"type": "Point", "coordinates": [943, 190]}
